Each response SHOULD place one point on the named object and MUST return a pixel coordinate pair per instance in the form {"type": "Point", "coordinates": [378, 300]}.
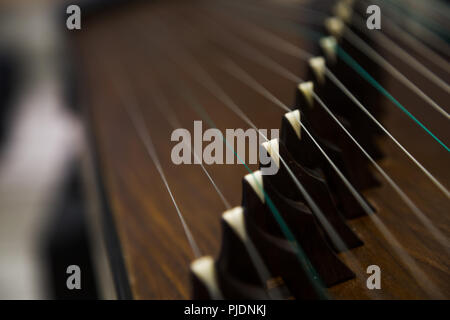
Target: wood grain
{"type": "Point", "coordinates": [129, 46]}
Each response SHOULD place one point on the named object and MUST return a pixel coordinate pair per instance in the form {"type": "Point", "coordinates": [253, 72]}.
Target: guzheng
{"type": "Point", "coordinates": [185, 99]}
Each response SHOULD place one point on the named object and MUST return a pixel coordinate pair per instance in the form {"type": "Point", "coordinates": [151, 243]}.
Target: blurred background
{"type": "Point", "coordinates": [40, 139]}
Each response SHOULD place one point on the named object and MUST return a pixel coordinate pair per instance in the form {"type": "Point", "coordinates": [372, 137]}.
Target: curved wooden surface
{"type": "Point", "coordinates": [127, 47]}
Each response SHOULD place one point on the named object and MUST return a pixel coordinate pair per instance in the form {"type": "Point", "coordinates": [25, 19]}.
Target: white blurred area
{"type": "Point", "coordinates": [44, 136]}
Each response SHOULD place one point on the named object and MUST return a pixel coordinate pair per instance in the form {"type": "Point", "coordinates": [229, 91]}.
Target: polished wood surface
{"type": "Point", "coordinates": [126, 48]}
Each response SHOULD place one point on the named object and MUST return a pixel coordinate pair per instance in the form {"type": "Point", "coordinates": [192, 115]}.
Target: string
{"type": "Point", "coordinates": [422, 20]}
{"type": "Point", "coordinates": [186, 61]}
{"type": "Point", "coordinates": [417, 212]}
{"type": "Point", "coordinates": [301, 54]}
{"type": "Point", "coordinates": [333, 234]}
{"type": "Point", "coordinates": [232, 68]}
{"type": "Point", "coordinates": [340, 85]}
{"type": "Point", "coordinates": [133, 110]}
{"type": "Point", "coordinates": [380, 60]}
{"type": "Point", "coordinates": [427, 223]}
{"type": "Point", "coordinates": [356, 41]}
{"type": "Point", "coordinates": [311, 16]}
{"type": "Point", "coordinates": [396, 246]}
{"type": "Point", "coordinates": [402, 54]}
{"type": "Point", "coordinates": [209, 83]}
{"type": "Point", "coordinates": [264, 273]}
{"type": "Point", "coordinates": [433, 7]}
{"type": "Point", "coordinates": [401, 252]}
{"type": "Point", "coordinates": [164, 107]}
{"type": "Point", "coordinates": [363, 73]}
{"type": "Point", "coordinates": [269, 39]}
{"type": "Point", "coordinates": [316, 18]}
{"type": "Point", "coordinates": [162, 104]}
{"type": "Point", "coordinates": [240, 74]}
{"type": "Point", "coordinates": [418, 46]}
{"type": "Point", "coordinates": [420, 31]}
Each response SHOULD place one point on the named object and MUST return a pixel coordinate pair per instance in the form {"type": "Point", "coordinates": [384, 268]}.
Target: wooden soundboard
{"type": "Point", "coordinates": [128, 45]}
